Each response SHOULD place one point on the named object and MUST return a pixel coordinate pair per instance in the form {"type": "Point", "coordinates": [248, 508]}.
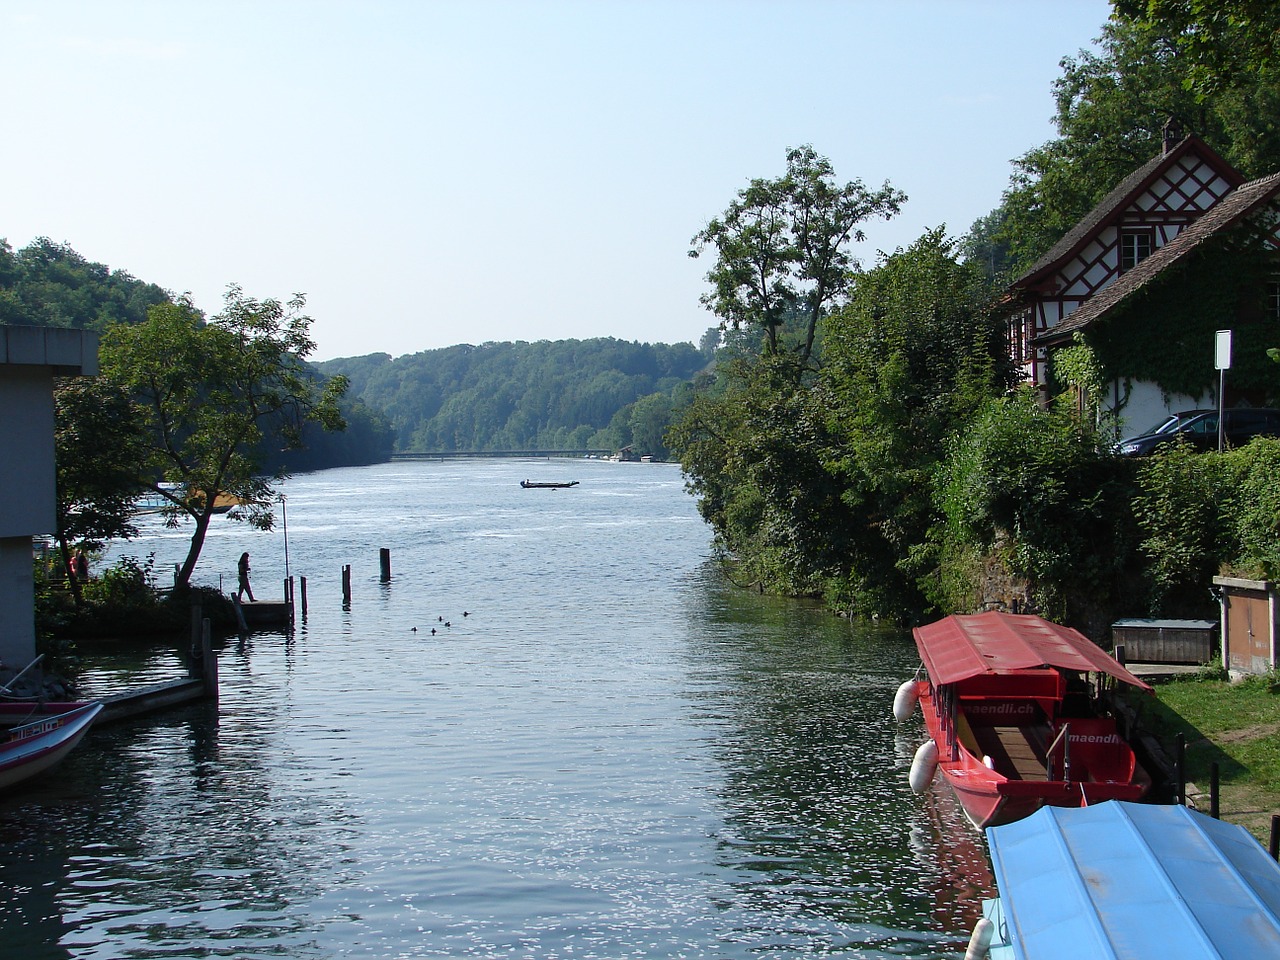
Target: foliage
{"type": "Point", "coordinates": [50, 285]}
{"type": "Point", "coordinates": [781, 247]}
{"type": "Point", "coordinates": [96, 443]}
{"type": "Point", "coordinates": [204, 394]}
{"type": "Point", "coordinates": [1205, 513]}
{"type": "Point", "coordinates": [823, 488]}
{"type": "Point", "coordinates": [1254, 500]}
{"type": "Point", "coordinates": [1226, 42]}
{"type": "Point", "coordinates": [1180, 510]}
{"type": "Point", "coordinates": [129, 585]}
{"type": "Point", "coordinates": [1220, 286]}
{"type": "Point", "coordinates": [1034, 483]}
{"type": "Point", "coordinates": [561, 395]}
{"type": "Point", "coordinates": [1112, 108]}
{"type": "Point", "coordinates": [907, 363]}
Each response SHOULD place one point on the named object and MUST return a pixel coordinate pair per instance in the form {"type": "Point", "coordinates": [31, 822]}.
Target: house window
{"type": "Point", "coordinates": [1273, 300]}
{"type": "Point", "coordinates": [1134, 248]}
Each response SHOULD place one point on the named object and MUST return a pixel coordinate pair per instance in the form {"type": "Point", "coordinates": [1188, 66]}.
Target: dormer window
{"type": "Point", "coordinates": [1135, 246]}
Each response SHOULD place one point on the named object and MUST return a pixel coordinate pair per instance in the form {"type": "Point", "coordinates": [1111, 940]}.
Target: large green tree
{"type": "Point", "coordinates": [206, 395]}
{"type": "Point", "coordinates": [782, 247]}
{"type": "Point", "coordinates": [1112, 106]}
{"type": "Point", "coordinates": [1226, 42]}
{"type": "Point", "coordinates": [98, 445]}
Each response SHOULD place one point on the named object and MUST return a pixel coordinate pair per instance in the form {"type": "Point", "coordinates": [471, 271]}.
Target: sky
{"type": "Point", "coordinates": [436, 172]}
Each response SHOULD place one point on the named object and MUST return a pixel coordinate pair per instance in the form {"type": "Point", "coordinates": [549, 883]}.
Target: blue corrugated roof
{"type": "Point", "coordinates": [1128, 881]}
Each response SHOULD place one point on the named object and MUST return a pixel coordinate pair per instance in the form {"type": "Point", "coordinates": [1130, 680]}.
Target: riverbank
{"type": "Point", "coordinates": [1235, 726]}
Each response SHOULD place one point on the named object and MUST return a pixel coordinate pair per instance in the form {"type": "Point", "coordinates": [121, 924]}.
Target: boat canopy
{"type": "Point", "coordinates": [1129, 880]}
{"type": "Point", "coordinates": [963, 646]}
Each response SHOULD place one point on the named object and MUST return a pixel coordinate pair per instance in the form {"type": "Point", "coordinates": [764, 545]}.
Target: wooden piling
{"type": "Point", "coordinates": [302, 583]}
{"type": "Point", "coordinates": [384, 561]}
{"type": "Point", "coordinates": [197, 630]}
{"type": "Point", "coordinates": [1180, 768]}
{"type": "Point", "coordinates": [1213, 790]}
{"type": "Point", "coordinates": [346, 585]}
{"type": "Point", "coordinates": [208, 662]}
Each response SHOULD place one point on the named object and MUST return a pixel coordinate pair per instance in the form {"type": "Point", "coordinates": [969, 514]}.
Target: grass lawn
{"type": "Point", "coordinates": [1238, 726]}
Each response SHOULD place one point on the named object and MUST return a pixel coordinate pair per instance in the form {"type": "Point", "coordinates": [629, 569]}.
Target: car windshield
{"type": "Point", "coordinates": [1164, 426]}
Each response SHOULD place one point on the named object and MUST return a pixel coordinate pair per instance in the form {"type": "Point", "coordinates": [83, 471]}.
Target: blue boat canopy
{"type": "Point", "coordinates": [1127, 880]}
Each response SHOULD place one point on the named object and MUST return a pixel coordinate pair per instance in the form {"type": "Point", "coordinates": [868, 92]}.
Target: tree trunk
{"type": "Point", "coordinates": [73, 581]}
{"type": "Point", "coordinates": [183, 578]}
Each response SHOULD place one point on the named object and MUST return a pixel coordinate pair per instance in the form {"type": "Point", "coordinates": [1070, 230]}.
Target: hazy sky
{"type": "Point", "coordinates": [458, 171]}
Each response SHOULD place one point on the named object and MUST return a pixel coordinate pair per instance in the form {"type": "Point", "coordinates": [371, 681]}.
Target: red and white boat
{"type": "Point", "coordinates": [34, 747]}
{"type": "Point", "coordinates": [1015, 707]}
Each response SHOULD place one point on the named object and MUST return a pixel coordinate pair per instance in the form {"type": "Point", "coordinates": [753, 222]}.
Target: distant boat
{"type": "Point", "coordinates": [532, 485]}
{"type": "Point", "coordinates": [34, 747]}
{"type": "Point", "coordinates": [1014, 721]}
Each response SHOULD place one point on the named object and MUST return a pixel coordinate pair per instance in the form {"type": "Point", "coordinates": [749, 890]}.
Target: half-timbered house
{"type": "Point", "coordinates": [1151, 225]}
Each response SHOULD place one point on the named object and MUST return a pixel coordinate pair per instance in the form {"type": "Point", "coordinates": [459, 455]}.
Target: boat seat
{"type": "Point", "coordinates": [1018, 752]}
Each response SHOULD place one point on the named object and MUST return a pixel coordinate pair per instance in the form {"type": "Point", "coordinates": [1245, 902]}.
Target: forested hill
{"type": "Point", "coordinates": [547, 395]}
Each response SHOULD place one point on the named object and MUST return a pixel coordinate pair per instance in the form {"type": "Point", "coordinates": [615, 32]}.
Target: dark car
{"type": "Point", "coordinates": [1200, 429]}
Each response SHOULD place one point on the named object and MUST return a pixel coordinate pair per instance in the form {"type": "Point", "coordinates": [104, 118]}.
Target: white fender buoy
{"type": "Point", "coordinates": [923, 766]}
{"type": "Point", "coordinates": [980, 941]}
{"type": "Point", "coordinates": [988, 762]}
{"type": "Point", "coordinates": [904, 701]}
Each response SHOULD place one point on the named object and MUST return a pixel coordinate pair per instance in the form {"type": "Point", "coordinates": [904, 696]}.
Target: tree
{"type": "Point", "coordinates": [910, 360]}
{"type": "Point", "coordinates": [1112, 105]}
{"type": "Point", "coordinates": [97, 442]}
{"type": "Point", "coordinates": [206, 393]}
{"type": "Point", "coordinates": [781, 247]}
{"type": "Point", "coordinates": [1224, 40]}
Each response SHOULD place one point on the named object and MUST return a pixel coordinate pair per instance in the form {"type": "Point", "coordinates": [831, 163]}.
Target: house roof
{"type": "Point", "coordinates": [1227, 213]}
{"type": "Point", "coordinates": [963, 646]}
{"type": "Point", "coordinates": [1115, 202]}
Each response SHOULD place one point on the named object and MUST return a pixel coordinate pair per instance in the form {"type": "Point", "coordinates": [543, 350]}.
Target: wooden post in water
{"type": "Point", "coordinates": [384, 561]}
{"type": "Point", "coordinates": [194, 667]}
{"type": "Point", "coordinates": [346, 585]}
{"type": "Point", "coordinates": [302, 582]}
{"type": "Point", "coordinates": [288, 595]}
{"type": "Point", "coordinates": [208, 662]}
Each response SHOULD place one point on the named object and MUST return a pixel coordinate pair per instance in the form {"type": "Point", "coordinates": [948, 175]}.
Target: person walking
{"type": "Point", "coordinates": [243, 570]}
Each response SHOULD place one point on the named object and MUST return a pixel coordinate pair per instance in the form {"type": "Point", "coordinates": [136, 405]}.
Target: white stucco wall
{"type": "Point", "coordinates": [1146, 406]}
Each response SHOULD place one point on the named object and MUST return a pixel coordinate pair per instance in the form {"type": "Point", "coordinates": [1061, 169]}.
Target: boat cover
{"type": "Point", "coordinates": [1130, 880]}
{"type": "Point", "coordinates": [963, 646]}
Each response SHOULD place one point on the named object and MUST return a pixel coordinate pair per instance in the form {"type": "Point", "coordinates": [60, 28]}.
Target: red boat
{"type": "Point", "coordinates": [1015, 707]}
{"type": "Point", "coordinates": [34, 747]}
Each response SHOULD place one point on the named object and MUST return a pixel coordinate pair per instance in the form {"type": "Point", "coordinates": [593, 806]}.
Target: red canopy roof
{"type": "Point", "coordinates": [959, 647]}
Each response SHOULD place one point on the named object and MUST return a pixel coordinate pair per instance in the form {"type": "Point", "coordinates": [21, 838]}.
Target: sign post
{"type": "Point", "coordinates": [1222, 360]}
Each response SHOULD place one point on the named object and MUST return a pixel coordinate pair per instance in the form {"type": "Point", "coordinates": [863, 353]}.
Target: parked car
{"type": "Point", "coordinates": [1200, 429]}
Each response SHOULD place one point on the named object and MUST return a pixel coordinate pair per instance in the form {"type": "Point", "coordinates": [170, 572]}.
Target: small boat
{"type": "Point", "coordinates": [1122, 880]}
{"type": "Point", "coordinates": [1016, 711]}
{"type": "Point", "coordinates": [533, 485]}
{"type": "Point", "coordinates": [34, 747]}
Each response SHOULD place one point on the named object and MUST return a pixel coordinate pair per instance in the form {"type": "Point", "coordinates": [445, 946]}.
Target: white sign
{"type": "Point", "coordinates": [1222, 351]}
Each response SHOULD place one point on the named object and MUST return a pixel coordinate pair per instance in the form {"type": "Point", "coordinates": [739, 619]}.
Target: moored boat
{"type": "Point", "coordinates": [1123, 880]}
{"type": "Point", "coordinates": [1016, 711]}
{"type": "Point", "coordinates": [34, 747]}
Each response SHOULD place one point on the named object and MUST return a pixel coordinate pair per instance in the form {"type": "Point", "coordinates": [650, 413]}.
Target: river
{"type": "Point", "coordinates": [557, 732]}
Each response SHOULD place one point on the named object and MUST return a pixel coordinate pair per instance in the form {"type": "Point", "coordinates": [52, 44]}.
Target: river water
{"type": "Point", "coordinates": [557, 732]}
